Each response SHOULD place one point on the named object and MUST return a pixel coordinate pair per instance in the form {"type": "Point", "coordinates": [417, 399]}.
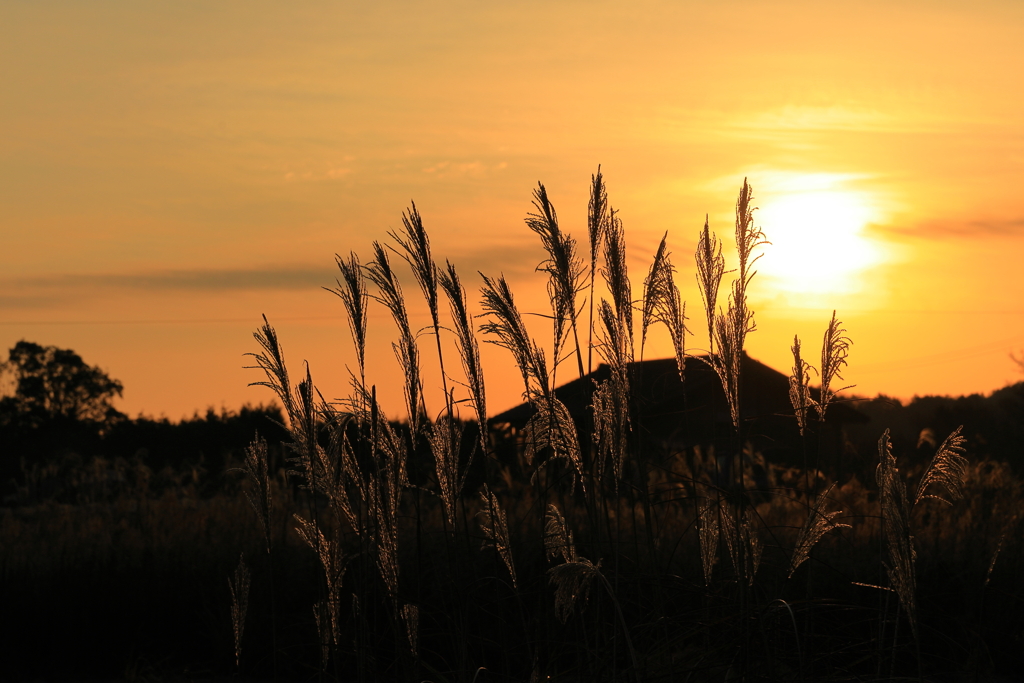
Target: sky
{"type": "Point", "coordinates": [171, 172]}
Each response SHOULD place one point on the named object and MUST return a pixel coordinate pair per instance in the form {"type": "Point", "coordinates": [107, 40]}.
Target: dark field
{"type": "Point", "coordinates": [134, 584]}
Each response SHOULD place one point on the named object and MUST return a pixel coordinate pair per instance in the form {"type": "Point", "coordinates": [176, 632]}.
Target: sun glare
{"type": "Point", "coordinates": [817, 240]}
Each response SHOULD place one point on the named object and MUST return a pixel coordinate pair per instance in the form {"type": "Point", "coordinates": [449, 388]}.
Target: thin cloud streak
{"type": "Point", "coordinates": [172, 321]}
{"type": "Point", "coordinates": [517, 260]}
{"type": "Point", "coordinates": [48, 292]}
{"type": "Point", "coordinates": [27, 302]}
{"type": "Point", "coordinates": [301, 277]}
{"type": "Point", "coordinates": [944, 230]}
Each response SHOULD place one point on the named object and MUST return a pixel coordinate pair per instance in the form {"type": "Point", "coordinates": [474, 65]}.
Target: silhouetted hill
{"type": "Point", "coordinates": [671, 415]}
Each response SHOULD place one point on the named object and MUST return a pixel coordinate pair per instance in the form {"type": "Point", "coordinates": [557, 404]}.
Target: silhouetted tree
{"type": "Point", "coordinates": [52, 385]}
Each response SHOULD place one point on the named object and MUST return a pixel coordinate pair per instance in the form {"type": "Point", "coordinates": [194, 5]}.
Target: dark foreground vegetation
{"type": "Point", "coordinates": [715, 522]}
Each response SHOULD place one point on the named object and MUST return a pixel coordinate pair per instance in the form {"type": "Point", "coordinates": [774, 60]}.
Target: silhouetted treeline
{"type": "Point", "coordinates": [203, 444]}
{"type": "Point", "coordinates": [993, 426]}
{"type": "Point", "coordinates": [60, 457]}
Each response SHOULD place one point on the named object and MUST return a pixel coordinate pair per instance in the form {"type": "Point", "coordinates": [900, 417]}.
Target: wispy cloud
{"type": "Point", "coordinates": [27, 302]}
{"type": "Point", "coordinates": [47, 291]}
{"type": "Point", "coordinates": [945, 229]}
{"type": "Point", "coordinates": [814, 118]}
{"type": "Point", "coordinates": [515, 260]}
{"type": "Point", "coordinates": [293, 277]}
{"type": "Point", "coordinates": [457, 169]}
{"type": "Point", "coordinates": [803, 119]}
{"type": "Point", "coordinates": [778, 181]}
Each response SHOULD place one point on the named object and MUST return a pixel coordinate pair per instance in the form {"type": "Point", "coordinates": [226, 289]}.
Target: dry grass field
{"type": "Point", "coordinates": [579, 544]}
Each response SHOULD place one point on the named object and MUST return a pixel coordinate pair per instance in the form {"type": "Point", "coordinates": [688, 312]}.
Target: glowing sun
{"type": "Point", "coordinates": [818, 244]}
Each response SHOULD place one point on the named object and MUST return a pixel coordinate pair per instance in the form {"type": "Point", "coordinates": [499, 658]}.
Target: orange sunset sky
{"type": "Point", "coordinates": [171, 171]}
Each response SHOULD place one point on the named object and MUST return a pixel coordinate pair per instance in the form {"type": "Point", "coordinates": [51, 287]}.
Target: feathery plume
{"type": "Point", "coordinates": [390, 295]}
{"type": "Point", "coordinates": [354, 295]}
{"type": "Point", "coordinates": [947, 470]}
{"type": "Point", "coordinates": [995, 555]}
{"type": "Point", "coordinates": [818, 524]}
{"type": "Point", "coordinates": [572, 582]}
{"type": "Point", "coordinates": [445, 443]}
{"type": "Point", "coordinates": [834, 351]}
{"type": "Point", "coordinates": [603, 434]}
{"type": "Point", "coordinates": [305, 425]}
{"type": "Point", "coordinates": [748, 237]}
{"type": "Point", "coordinates": [239, 604]}
{"type": "Point", "coordinates": [710, 526]}
{"type": "Point", "coordinates": [614, 344]}
{"type": "Point", "coordinates": [616, 277]}
{"type": "Point", "coordinates": [469, 349]}
{"type": "Point", "coordinates": [383, 485]}
{"type": "Point", "coordinates": [597, 224]}
{"type": "Point", "coordinates": [610, 403]}
{"type": "Point", "coordinates": [799, 386]}
{"type": "Point", "coordinates": [494, 526]}
{"type": "Point", "coordinates": [557, 537]}
{"type": "Point", "coordinates": [299, 403]}
{"type": "Point", "coordinates": [727, 360]}
{"type": "Point", "coordinates": [334, 563]}
{"type": "Point", "coordinates": [662, 303]}
{"type": "Point", "coordinates": [654, 290]}
{"type": "Point", "coordinates": [388, 448]}
{"type": "Point", "coordinates": [271, 361]}
{"type": "Point", "coordinates": [322, 616]}
{"type": "Point", "coordinates": [597, 216]}
{"type": "Point", "coordinates": [411, 617]}
{"type": "Point", "coordinates": [507, 325]}
{"type": "Point", "coordinates": [566, 276]}
{"type": "Point", "coordinates": [551, 426]}
{"type": "Point", "coordinates": [610, 407]}
{"type": "Point", "coordinates": [724, 359]}
{"type": "Point", "coordinates": [742, 541]}
{"type": "Point", "coordinates": [255, 469]}
{"type": "Point", "coordinates": [730, 329]}
{"type": "Point", "coordinates": [386, 540]}
{"type": "Point", "coordinates": [572, 578]}
{"type": "Point", "coordinates": [892, 498]}
{"type": "Point", "coordinates": [341, 469]}
{"type": "Point", "coordinates": [710, 269]}
{"type": "Point", "coordinates": [416, 247]}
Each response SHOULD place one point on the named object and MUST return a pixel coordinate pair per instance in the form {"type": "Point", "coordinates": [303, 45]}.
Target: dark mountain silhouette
{"type": "Point", "coordinates": [669, 415]}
